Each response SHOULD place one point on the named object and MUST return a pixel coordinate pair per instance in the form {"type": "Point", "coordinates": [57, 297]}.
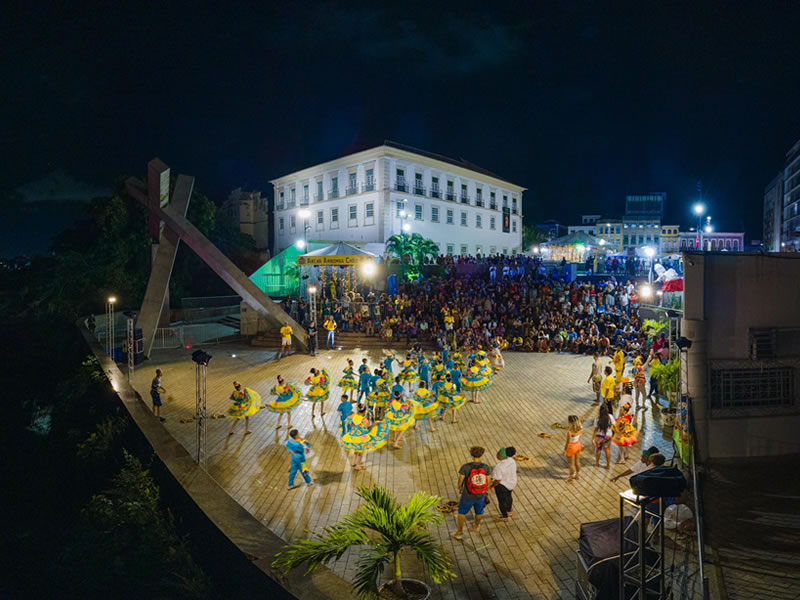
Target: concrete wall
{"type": "Point", "coordinates": [725, 295]}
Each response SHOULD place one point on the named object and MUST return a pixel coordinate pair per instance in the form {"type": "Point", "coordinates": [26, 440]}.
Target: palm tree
{"type": "Point", "coordinates": [412, 250]}
{"type": "Point", "coordinates": [387, 529]}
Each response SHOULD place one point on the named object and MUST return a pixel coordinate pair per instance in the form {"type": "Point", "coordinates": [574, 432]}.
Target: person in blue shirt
{"type": "Point", "coordinates": [363, 368]}
{"type": "Point", "coordinates": [455, 374]}
{"type": "Point", "coordinates": [387, 363]}
{"type": "Point", "coordinates": [345, 408]}
{"type": "Point", "coordinates": [364, 383]}
{"type": "Point", "coordinates": [398, 387]}
{"type": "Point", "coordinates": [445, 353]}
{"type": "Point", "coordinates": [424, 370]}
{"type": "Point", "coordinates": [297, 447]}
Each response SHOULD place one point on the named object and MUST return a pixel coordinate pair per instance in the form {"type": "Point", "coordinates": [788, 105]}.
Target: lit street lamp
{"type": "Point", "coordinates": [406, 227]}
{"type": "Point", "coordinates": [304, 214]}
{"type": "Point", "coordinates": [699, 209]}
{"type": "Point", "coordinates": [110, 302]}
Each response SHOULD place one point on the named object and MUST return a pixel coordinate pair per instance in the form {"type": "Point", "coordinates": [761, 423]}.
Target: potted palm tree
{"type": "Point", "coordinates": [386, 529]}
{"type": "Point", "coordinates": [668, 377]}
{"type": "Point", "coordinates": [411, 250]}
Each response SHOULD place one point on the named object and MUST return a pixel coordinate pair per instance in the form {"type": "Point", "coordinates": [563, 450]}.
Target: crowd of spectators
{"type": "Point", "coordinates": [510, 301]}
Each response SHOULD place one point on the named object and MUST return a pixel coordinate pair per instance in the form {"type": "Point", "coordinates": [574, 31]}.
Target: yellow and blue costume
{"type": "Point", "coordinates": [288, 397]}
{"type": "Point", "coordinates": [246, 402]}
{"type": "Point", "coordinates": [381, 395]}
{"type": "Point", "coordinates": [399, 415]}
{"type": "Point", "coordinates": [425, 404]}
{"type": "Point", "coordinates": [408, 374]}
{"type": "Point", "coordinates": [474, 380]}
{"type": "Point", "coordinates": [318, 392]}
{"type": "Point", "coordinates": [449, 396]}
{"type": "Point", "coordinates": [349, 381]}
{"type": "Point", "coordinates": [360, 437]}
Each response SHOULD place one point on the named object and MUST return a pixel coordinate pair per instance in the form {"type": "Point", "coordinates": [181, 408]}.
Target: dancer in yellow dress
{"type": "Point", "coordinates": [482, 360]}
{"type": "Point", "coordinates": [474, 380]}
{"type": "Point", "coordinates": [349, 381]}
{"type": "Point", "coordinates": [362, 436]}
{"type": "Point", "coordinates": [426, 405]}
{"type": "Point", "coordinates": [246, 402]}
{"type": "Point", "coordinates": [409, 373]}
{"type": "Point", "coordinates": [318, 392]}
{"type": "Point", "coordinates": [399, 417]}
{"type": "Point", "coordinates": [450, 398]}
{"type": "Point", "coordinates": [288, 397]}
{"type": "Point", "coordinates": [380, 396]}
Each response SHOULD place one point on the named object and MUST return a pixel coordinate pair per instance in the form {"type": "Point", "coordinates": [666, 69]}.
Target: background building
{"type": "Point", "coordinates": [791, 199]}
{"type": "Point", "coordinates": [369, 196]}
{"type": "Point", "coordinates": [645, 205]}
{"type": "Point", "coordinates": [713, 241]}
{"type": "Point", "coordinates": [670, 239]}
{"type": "Point", "coordinates": [552, 229]}
{"type": "Point", "coordinates": [773, 211]}
{"type": "Point", "coordinates": [250, 212]}
{"type": "Point", "coordinates": [743, 363]}
{"type": "Point", "coordinates": [587, 225]}
{"type": "Point", "coordinates": [610, 230]}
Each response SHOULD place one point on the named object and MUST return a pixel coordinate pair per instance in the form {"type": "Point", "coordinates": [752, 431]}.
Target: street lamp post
{"type": "Point", "coordinates": [110, 302]}
{"type": "Point", "coordinates": [305, 214]}
{"type": "Point", "coordinates": [699, 210]}
{"type": "Point", "coordinates": [312, 297]}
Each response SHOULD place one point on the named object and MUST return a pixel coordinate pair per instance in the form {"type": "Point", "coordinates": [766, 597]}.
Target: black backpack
{"type": "Point", "coordinates": [660, 482]}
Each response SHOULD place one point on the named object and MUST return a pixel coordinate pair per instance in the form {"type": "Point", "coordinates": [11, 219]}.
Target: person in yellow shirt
{"type": "Point", "coordinates": [619, 364]}
{"type": "Point", "coordinates": [330, 327]}
{"type": "Point", "coordinates": [286, 339]}
{"type": "Point", "coordinates": [608, 389]}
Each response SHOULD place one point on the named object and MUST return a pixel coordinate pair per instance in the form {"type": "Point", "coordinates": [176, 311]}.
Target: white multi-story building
{"type": "Point", "coordinates": [371, 195]}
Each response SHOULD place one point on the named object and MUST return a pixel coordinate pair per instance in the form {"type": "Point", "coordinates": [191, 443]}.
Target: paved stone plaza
{"type": "Point", "coordinates": [530, 557]}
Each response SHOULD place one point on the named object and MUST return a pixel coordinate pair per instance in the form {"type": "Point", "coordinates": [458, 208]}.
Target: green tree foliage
{"type": "Point", "coordinates": [532, 236]}
{"type": "Point", "coordinates": [128, 547]}
{"type": "Point", "coordinates": [387, 529]}
{"type": "Point", "coordinates": [412, 251]}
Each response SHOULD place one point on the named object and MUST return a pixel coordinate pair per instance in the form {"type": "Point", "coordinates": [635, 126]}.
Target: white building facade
{"type": "Point", "coordinates": [250, 212]}
{"type": "Point", "coordinates": [367, 197]}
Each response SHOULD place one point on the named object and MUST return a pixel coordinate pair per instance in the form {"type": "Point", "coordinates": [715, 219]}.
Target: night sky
{"type": "Point", "coordinates": [581, 102]}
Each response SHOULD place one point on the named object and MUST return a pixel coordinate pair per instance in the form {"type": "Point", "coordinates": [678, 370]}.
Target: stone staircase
{"type": "Point", "coordinates": [346, 340]}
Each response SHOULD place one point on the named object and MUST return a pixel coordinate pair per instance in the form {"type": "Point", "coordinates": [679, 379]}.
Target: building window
{"type": "Point", "coordinates": [505, 250]}
{"type": "Point", "coordinates": [435, 187]}
{"type": "Point", "coordinates": [305, 194]}
{"type": "Point", "coordinates": [505, 201]}
{"type": "Point", "coordinates": [320, 218]}
{"type": "Point", "coordinates": [478, 221]}
{"type": "Point", "coordinates": [319, 191]}
{"type": "Point", "coordinates": [334, 218]}
{"type": "Point", "coordinates": [280, 223]}
{"type": "Point", "coordinates": [492, 201]}
{"type": "Point", "coordinates": [449, 216]}
{"type": "Point", "coordinates": [491, 223]}
{"type": "Point", "coordinates": [352, 186]}
{"type": "Point", "coordinates": [418, 212]}
{"type": "Point", "coordinates": [463, 218]}
{"type": "Point", "coordinates": [492, 250]}
{"type": "Point", "coordinates": [400, 184]}
{"type": "Point", "coordinates": [464, 194]}
{"type": "Point", "coordinates": [293, 196]}
{"type": "Point", "coordinates": [757, 387]}
{"type": "Point", "coordinates": [401, 206]}
{"type": "Point", "coordinates": [449, 249]}
{"type": "Point", "coordinates": [478, 197]}
{"type": "Point", "coordinates": [463, 249]}
{"type": "Point", "coordinates": [352, 215]}
{"type": "Point", "coordinates": [450, 193]}
{"type": "Point", "coordinates": [419, 189]}
{"type": "Point", "coordinates": [334, 187]}
{"type": "Point", "coordinates": [369, 185]}
{"type": "Point", "coordinates": [513, 226]}
{"type": "Point", "coordinates": [292, 222]}
{"type": "Point", "coordinates": [513, 205]}
{"type": "Point", "coordinates": [369, 213]}
{"type": "Point", "coordinates": [281, 204]}
{"type": "Point", "coordinates": [435, 214]}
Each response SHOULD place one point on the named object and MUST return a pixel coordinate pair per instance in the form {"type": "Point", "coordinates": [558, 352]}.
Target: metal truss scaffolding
{"type": "Point", "coordinates": [641, 572]}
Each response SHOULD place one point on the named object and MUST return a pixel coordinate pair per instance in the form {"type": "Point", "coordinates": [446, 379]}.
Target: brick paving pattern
{"type": "Point", "coordinates": [530, 557]}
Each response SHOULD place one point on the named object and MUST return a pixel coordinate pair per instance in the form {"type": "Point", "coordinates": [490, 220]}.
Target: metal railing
{"type": "Point", "coordinates": [333, 193]}
{"type": "Point", "coordinates": [369, 186]}
{"type": "Point", "coordinates": [400, 185]}
{"type": "Point", "coordinates": [451, 196]}
{"type": "Point", "coordinates": [419, 190]}
{"type": "Point", "coordinates": [188, 336]}
{"type": "Point", "coordinates": [464, 198]}
{"type": "Point", "coordinates": [435, 192]}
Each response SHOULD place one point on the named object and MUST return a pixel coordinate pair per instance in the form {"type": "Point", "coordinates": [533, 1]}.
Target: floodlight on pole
{"type": "Point", "coordinates": [112, 299]}
{"type": "Point", "coordinates": [300, 244]}
{"type": "Point", "coordinates": [312, 289]}
{"type": "Point", "coordinates": [646, 291]}
{"type": "Point", "coordinates": [406, 227]}
{"type": "Point", "coordinates": [649, 251]}
{"type": "Point", "coordinates": [368, 268]}
{"type": "Point", "coordinates": [699, 208]}
{"type": "Point", "coordinates": [708, 228]}
{"type": "Point", "coordinates": [304, 213]}
{"type": "Point", "coordinates": [402, 214]}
